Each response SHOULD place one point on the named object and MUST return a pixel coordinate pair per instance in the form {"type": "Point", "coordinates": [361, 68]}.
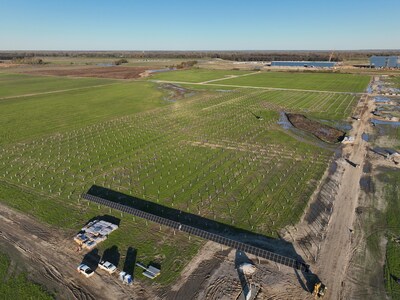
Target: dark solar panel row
{"type": "Point", "coordinates": [202, 233]}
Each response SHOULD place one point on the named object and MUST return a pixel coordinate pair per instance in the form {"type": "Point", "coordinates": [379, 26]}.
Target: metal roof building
{"type": "Point", "coordinates": [385, 61]}
{"type": "Point", "coordinates": [304, 64]}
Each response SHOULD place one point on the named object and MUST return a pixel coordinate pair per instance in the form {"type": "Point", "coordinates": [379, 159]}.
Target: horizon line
{"type": "Point", "coordinates": [193, 50]}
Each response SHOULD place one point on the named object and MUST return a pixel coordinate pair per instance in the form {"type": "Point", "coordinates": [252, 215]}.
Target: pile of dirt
{"type": "Point", "coordinates": [321, 131]}
{"type": "Point", "coordinates": [116, 72]}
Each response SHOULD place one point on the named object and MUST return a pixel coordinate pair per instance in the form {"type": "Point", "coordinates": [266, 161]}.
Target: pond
{"type": "Point", "coordinates": [283, 121]}
{"type": "Point", "coordinates": [161, 70]}
{"type": "Point", "coordinates": [105, 65]}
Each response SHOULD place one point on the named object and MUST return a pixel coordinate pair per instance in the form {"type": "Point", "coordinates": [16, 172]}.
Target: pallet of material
{"type": "Point", "coordinates": [151, 272]}
{"type": "Point", "coordinates": [94, 233]}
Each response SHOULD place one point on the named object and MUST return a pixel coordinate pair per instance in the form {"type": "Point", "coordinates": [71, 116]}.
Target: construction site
{"type": "Point", "coordinates": [165, 173]}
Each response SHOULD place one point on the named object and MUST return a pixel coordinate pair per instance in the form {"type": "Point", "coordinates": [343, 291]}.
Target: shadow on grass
{"type": "Point", "coordinates": [395, 278]}
{"type": "Point", "coordinates": [154, 264]}
{"type": "Point", "coordinates": [112, 255]}
{"type": "Point", "coordinates": [130, 260]}
{"type": "Point", "coordinates": [106, 218]}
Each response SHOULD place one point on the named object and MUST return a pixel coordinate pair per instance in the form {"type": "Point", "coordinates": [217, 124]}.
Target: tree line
{"type": "Point", "coordinates": [226, 55]}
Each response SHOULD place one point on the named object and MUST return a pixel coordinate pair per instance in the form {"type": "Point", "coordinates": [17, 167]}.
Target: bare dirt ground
{"type": "Point", "coordinates": [5, 65]}
{"type": "Point", "coordinates": [50, 258]}
{"type": "Point", "coordinates": [213, 275]}
{"type": "Point", "coordinates": [196, 272]}
{"type": "Point", "coordinates": [365, 273]}
{"type": "Point", "coordinates": [117, 72]}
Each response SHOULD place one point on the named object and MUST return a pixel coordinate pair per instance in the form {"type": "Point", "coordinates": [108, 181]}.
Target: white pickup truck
{"type": "Point", "coordinates": [107, 266]}
{"type": "Point", "coordinates": [85, 270]}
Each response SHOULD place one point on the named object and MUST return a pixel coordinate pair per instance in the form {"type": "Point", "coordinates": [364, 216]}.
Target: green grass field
{"type": "Point", "coordinates": [206, 154]}
{"type": "Point", "coordinates": [26, 117]}
{"type": "Point", "coordinates": [18, 84]}
{"type": "Point", "coordinates": [395, 81]}
{"type": "Point", "coordinates": [391, 178]}
{"type": "Point", "coordinates": [16, 286]}
{"type": "Point", "coordinates": [304, 81]}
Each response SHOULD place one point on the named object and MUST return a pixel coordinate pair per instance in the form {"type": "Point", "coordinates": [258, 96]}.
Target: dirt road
{"type": "Point", "coordinates": [50, 258]}
{"type": "Point", "coordinates": [228, 77]}
{"type": "Point", "coordinates": [336, 250]}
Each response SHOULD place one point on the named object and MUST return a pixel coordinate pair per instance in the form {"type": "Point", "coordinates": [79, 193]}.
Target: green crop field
{"type": "Point", "coordinates": [391, 178]}
{"type": "Point", "coordinates": [18, 84]}
{"type": "Point", "coordinates": [16, 286]}
{"type": "Point", "coordinates": [304, 81]}
{"type": "Point", "coordinates": [206, 154]}
{"type": "Point", "coordinates": [196, 75]}
{"type": "Point", "coordinates": [395, 81]}
{"type": "Point", "coordinates": [29, 116]}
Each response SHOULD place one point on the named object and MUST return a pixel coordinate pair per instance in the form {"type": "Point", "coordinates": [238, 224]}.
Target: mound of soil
{"type": "Point", "coordinates": [116, 72]}
{"type": "Point", "coordinates": [321, 131]}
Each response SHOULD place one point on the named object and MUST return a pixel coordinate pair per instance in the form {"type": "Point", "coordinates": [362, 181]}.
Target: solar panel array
{"type": "Point", "coordinates": [290, 262]}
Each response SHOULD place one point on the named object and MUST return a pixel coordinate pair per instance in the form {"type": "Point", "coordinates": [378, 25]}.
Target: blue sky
{"type": "Point", "coordinates": [199, 25]}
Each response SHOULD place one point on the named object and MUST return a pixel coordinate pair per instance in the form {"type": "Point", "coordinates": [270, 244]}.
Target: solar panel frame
{"type": "Point", "coordinates": [290, 262]}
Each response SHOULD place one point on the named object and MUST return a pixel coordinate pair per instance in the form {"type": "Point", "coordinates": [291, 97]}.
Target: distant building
{"type": "Point", "coordinates": [304, 64]}
{"type": "Point", "coordinates": [385, 61]}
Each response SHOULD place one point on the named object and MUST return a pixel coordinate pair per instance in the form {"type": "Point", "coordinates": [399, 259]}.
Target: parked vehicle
{"type": "Point", "coordinates": [85, 270]}
{"type": "Point", "coordinates": [107, 266]}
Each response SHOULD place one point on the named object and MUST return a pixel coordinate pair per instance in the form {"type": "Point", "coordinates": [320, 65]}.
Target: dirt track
{"type": "Point", "coordinates": [51, 260]}
{"type": "Point", "coordinates": [336, 251]}
{"type": "Point", "coordinates": [56, 91]}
